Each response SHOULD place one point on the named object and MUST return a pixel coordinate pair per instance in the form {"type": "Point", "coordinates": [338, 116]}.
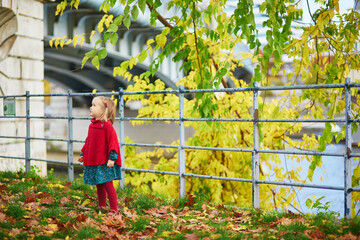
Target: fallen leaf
{"type": "Point", "coordinates": [67, 184]}
{"type": "Point", "coordinates": [285, 221]}
{"type": "Point", "coordinates": [2, 217]}
{"type": "Point", "coordinates": [203, 206]}
{"type": "Point", "coordinates": [130, 213]}
{"type": "Point", "coordinates": [348, 236]}
{"type": "Point", "coordinates": [3, 187]}
{"type": "Point", "coordinates": [317, 234]}
{"type": "Point", "coordinates": [191, 236]}
{"type": "Point", "coordinates": [81, 217]}
{"type": "Point", "coordinates": [86, 202]}
{"type": "Point", "coordinates": [115, 221]}
{"type": "Point", "coordinates": [57, 185]}
{"type": "Point", "coordinates": [14, 232]}
{"type": "Point", "coordinates": [190, 201]}
{"type": "Point", "coordinates": [47, 200]}
{"type": "Point", "coordinates": [64, 201]}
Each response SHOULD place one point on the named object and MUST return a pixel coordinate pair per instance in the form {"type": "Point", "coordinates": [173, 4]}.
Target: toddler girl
{"type": "Point", "coordinates": [101, 153]}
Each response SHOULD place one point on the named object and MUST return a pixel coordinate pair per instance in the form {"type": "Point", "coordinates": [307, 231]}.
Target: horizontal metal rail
{"type": "Point", "coordinates": [300, 185]}
{"type": "Point", "coordinates": [218, 178]}
{"type": "Point", "coordinates": [149, 145]}
{"type": "Point", "coordinates": [12, 157]}
{"type": "Point", "coordinates": [184, 91]}
{"type": "Point", "coordinates": [150, 171]}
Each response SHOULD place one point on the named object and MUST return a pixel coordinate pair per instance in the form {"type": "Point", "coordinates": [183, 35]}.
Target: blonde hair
{"type": "Point", "coordinates": [110, 109]}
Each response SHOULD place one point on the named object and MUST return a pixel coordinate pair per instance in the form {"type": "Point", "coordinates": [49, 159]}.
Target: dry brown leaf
{"type": "Point", "coordinates": [191, 236]}
{"type": "Point", "coordinates": [130, 213]}
{"type": "Point", "coordinates": [203, 206]}
{"type": "Point", "coordinates": [348, 236]}
{"type": "Point", "coordinates": [317, 234]}
{"type": "Point", "coordinates": [115, 221]}
{"type": "Point", "coordinates": [81, 217]}
{"type": "Point", "coordinates": [285, 221]}
{"type": "Point", "coordinates": [47, 200]}
{"type": "Point", "coordinates": [2, 217]}
{"type": "Point", "coordinates": [64, 201]}
{"type": "Point", "coordinates": [14, 232]}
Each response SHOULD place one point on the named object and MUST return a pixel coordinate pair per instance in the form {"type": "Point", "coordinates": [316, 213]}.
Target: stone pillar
{"type": "Point", "coordinates": [21, 70]}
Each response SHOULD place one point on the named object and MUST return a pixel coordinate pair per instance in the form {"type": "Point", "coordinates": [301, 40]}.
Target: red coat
{"type": "Point", "coordinates": [100, 141]}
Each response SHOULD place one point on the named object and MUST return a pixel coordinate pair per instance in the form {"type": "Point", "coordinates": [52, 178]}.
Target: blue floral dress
{"type": "Point", "coordinates": [98, 174]}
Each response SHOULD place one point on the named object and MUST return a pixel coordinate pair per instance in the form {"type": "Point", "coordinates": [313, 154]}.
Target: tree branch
{"type": "Point", "coordinates": [159, 17]}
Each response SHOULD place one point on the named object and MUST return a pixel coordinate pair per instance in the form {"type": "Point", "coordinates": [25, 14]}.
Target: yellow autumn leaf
{"type": "Point", "coordinates": [86, 202]}
{"type": "Point", "coordinates": [62, 42]}
{"type": "Point", "coordinates": [190, 39]}
{"type": "Point", "coordinates": [165, 234]}
{"type": "Point", "coordinates": [51, 42]}
{"type": "Point", "coordinates": [92, 34]}
{"type": "Point", "coordinates": [132, 62]}
{"type": "Point", "coordinates": [57, 42]}
{"type": "Point", "coordinates": [285, 93]}
{"type": "Point", "coordinates": [57, 185]}
{"type": "Point", "coordinates": [109, 20]}
{"type": "Point", "coordinates": [75, 40]}
{"type": "Point", "coordinates": [82, 40]}
{"type": "Point", "coordinates": [161, 40]}
{"type": "Point", "coordinates": [100, 26]}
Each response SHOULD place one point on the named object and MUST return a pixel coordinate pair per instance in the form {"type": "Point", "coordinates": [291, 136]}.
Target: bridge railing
{"type": "Point", "coordinates": [347, 188]}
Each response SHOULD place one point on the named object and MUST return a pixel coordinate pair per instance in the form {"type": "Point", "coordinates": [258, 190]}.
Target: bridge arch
{"type": "Point", "coordinates": [64, 65]}
{"type": "Point", "coordinates": [8, 28]}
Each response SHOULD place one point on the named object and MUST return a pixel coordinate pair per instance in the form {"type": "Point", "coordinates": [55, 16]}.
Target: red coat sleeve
{"type": "Point", "coordinates": [85, 144]}
{"type": "Point", "coordinates": [112, 141]}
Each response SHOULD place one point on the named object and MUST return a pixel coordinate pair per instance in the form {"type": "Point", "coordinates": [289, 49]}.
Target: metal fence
{"type": "Point", "coordinates": [255, 181]}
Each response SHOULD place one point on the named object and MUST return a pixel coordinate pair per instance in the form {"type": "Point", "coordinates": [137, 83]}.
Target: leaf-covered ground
{"type": "Point", "coordinates": [32, 207]}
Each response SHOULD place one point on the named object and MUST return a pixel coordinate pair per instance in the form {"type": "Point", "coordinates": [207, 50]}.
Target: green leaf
{"type": "Point", "coordinates": [143, 56]}
{"type": "Point", "coordinates": [258, 74]}
{"type": "Point", "coordinates": [113, 38]}
{"type": "Point", "coordinates": [126, 11]}
{"type": "Point", "coordinates": [142, 5]}
{"type": "Point", "coordinates": [127, 21]}
{"type": "Point", "coordinates": [308, 202]}
{"type": "Point", "coordinates": [267, 52]}
{"type": "Point", "coordinates": [327, 134]}
{"type": "Point", "coordinates": [112, 28]}
{"type": "Point", "coordinates": [102, 53]}
{"type": "Point", "coordinates": [106, 36]}
{"type": "Point", "coordinates": [91, 53]}
{"type": "Point", "coordinates": [98, 41]}
{"type": "Point", "coordinates": [84, 61]}
{"type": "Point", "coordinates": [135, 12]}
{"type": "Point", "coordinates": [95, 62]}
{"type": "Point", "coordinates": [118, 20]}
{"type": "Point", "coordinates": [277, 58]}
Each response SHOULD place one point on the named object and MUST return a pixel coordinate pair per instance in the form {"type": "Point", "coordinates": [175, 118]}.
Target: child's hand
{"type": "Point", "coordinates": [110, 163]}
{"type": "Point", "coordinates": [81, 159]}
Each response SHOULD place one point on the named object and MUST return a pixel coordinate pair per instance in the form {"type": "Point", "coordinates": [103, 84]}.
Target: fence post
{"type": "Point", "coordinates": [70, 154]}
{"type": "Point", "coordinates": [255, 154]}
{"type": "Point", "coordinates": [181, 150]}
{"type": "Point", "coordinates": [347, 158]}
{"type": "Point", "coordinates": [122, 136]}
{"type": "Point", "coordinates": [27, 139]}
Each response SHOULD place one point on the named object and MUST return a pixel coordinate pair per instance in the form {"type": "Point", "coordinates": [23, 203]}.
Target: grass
{"type": "Point", "coordinates": [32, 207]}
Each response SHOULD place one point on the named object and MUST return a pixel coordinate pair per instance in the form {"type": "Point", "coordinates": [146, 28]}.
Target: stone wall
{"type": "Point", "coordinates": [21, 70]}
